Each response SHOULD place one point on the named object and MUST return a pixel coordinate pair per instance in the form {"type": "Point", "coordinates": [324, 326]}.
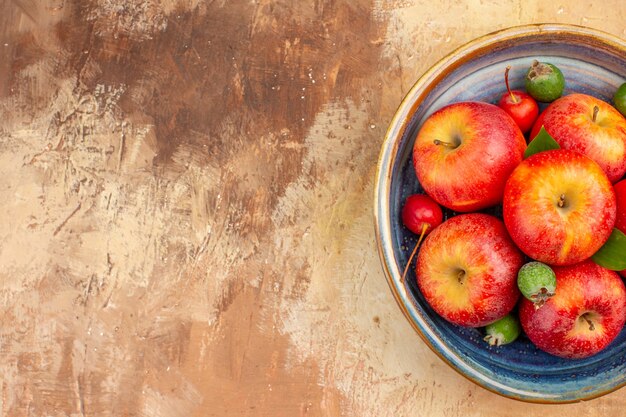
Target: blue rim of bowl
{"type": "Point", "coordinates": [387, 158]}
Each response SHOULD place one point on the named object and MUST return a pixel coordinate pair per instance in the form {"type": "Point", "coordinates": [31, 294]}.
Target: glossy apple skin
{"type": "Point", "coordinates": [524, 110]}
{"type": "Point", "coordinates": [559, 235]}
{"type": "Point", "coordinates": [620, 220]}
{"type": "Point", "coordinates": [569, 121]}
{"type": "Point", "coordinates": [479, 245]}
{"type": "Point", "coordinates": [558, 328]}
{"type": "Point", "coordinates": [472, 176]}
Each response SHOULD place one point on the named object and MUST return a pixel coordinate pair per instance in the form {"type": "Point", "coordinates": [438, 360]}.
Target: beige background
{"type": "Point", "coordinates": [186, 224]}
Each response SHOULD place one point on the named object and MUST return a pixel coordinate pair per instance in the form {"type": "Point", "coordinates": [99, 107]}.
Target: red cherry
{"type": "Point", "coordinates": [519, 105]}
{"type": "Point", "coordinates": [420, 214]}
{"type": "Point", "coordinates": [420, 210]}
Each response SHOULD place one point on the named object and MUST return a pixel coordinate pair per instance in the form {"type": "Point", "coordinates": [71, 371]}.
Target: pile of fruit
{"type": "Point", "coordinates": [549, 267]}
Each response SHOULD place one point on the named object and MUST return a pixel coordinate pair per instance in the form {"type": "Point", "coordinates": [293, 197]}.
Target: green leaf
{"type": "Point", "coordinates": [612, 255]}
{"type": "Point", "coordinates": [542, 142]}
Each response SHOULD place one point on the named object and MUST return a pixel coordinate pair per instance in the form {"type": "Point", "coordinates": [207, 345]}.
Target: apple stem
{"type": "Point", "coordinates": [506, 81]}
{"type": "Point", "coordinates": [591, 326]}
{"type": "Point", "coordinates": [425, 227]}
{"type": "Point", "coordinates": [446, 144]}
{"type": "Point", "coordinates": [596, 109]}
{"type": "Point", "coordinates": [561, 202]}
{"type": "Point", "coordinates": [460, 276]}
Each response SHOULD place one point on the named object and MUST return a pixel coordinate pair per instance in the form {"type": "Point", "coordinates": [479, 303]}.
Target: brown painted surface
{"type": "Point", "coordinates": [186, 223]}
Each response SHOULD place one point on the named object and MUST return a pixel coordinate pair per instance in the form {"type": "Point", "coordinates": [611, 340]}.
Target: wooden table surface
{"type": "Point", "coordinates": [186, 221]}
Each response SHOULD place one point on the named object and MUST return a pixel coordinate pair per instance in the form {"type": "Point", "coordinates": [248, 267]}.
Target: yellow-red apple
{"type": "Point", "coordinates": [584, 316]}
{"type": "Point", "coordinates": [464, 153]}
{"type": "Point", "coordinates": [559, 207]}
{"type": "Point", "coordinates": [467, 270]}
{"type": "Point", "coordinates": [600, 134]}
{"type": "Point", "coordinates": [620, 220]}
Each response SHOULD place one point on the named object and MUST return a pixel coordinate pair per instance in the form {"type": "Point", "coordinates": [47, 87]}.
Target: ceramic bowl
{"type": "Point", "coordinates": [593, 62]}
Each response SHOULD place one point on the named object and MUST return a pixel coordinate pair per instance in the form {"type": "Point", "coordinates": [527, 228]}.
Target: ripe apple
{"type": "Point", "coordinates": [464, 153]}
{"type": "Point", "coordinates": [584, 316]}
{"type": "Point", "coordinates": [600, 134]}
{"type": "Point", "coordinates": [620, 220]}
{"type": "Point", "coordinates": [559, 207]}
{"type": "Point", "coordinates": [467, 270]}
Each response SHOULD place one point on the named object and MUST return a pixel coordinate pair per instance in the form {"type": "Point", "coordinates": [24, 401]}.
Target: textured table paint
{"type": "Point", "coordinates": [186, 221]}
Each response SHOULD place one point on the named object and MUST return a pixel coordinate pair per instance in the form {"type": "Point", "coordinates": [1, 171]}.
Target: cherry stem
{"type": "Point", "coordinates": [506, 81]}
{"type": "Point", "coordinates": [425, 227]}
{"type": "Point", "coordinates": [596, 109]}
{"type": "Point", "coordinates": [561, 202]}
{"type": "Point", "coordinates": [446, 144]}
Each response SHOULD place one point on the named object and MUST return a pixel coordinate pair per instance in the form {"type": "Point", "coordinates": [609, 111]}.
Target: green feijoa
{"type": "Point", "coordinates": [503, 331]}
{"type": "Point", "coordinates": [619, 99]}
{"type": "Point", "coordinates": [537, 282]}
{"type": "Point", "coordinates": [544, 82]}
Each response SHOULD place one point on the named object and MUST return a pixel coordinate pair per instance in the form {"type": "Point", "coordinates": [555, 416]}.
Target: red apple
{"type": "Point", "coordinates": [467, 270]}
{"type": "Point", "coordinates": [601, 135]}
{"type": "Point", "coordinates": [464, 153]}
{"type": "Point", "coordinates": [559, 207]}
{"type": "Point", "coordinates": [620, 220]}
{"type": "Point", "coordinates": [583, 317]}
